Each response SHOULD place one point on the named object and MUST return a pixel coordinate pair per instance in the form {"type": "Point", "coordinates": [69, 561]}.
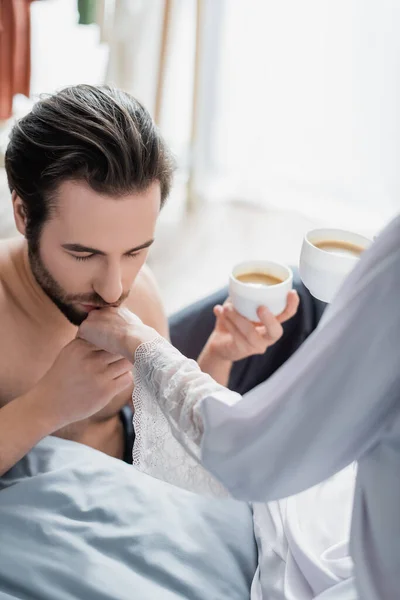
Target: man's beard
{"type": "Point", "coordinates": [64, 302]}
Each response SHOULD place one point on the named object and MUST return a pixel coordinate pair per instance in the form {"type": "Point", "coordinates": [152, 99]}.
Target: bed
{"type": "Point", "coordinates": [76, 524]}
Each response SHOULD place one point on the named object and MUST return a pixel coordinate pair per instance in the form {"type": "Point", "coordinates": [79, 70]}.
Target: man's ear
{"type": "Point", "coordinates": [19, 213]}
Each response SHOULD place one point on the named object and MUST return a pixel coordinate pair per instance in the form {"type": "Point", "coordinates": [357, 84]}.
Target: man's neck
{"type": "Point", "coordinates": [29, 294]}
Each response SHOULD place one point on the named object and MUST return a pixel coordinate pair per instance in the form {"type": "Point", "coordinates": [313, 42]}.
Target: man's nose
{"type": "Point", "coordinates": [109, 284]}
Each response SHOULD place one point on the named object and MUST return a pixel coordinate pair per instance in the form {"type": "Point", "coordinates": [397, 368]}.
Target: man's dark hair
{"type": "Point", "coordinates": [96, 134]}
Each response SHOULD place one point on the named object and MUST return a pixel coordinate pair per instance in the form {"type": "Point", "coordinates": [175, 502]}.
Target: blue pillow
{"type": "Point", "coordinates": [76, 524]}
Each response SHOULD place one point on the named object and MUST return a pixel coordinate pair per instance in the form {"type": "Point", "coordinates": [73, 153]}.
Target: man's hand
{"type": "Point", "coordinates": [116, 330]}
{"type": "Point", "coordinates": [82, 381]}
{"type": "Point", "coordinates": [234, 337]}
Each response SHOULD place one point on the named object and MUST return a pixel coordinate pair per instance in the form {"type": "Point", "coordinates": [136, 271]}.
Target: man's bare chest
{"type": "Point", "coordinates": [23, 364]}
{"type": "Point", "coordinates": [26, 354]}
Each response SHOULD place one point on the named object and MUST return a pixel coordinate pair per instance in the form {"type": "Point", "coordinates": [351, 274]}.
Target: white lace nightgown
{"type": "Point", "coordinates": [335, 401]}
{"type": "Point", "coordinates": [302, 541]}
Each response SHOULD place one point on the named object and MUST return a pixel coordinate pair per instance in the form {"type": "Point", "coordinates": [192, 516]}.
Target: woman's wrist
{"type": "Point", "coordinates": [134, 338]}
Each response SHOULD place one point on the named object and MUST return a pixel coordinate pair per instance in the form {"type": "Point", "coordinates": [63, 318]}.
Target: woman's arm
{"type": "Point", "coordinates": [317, 414]}
{"type": "Point", "coordinates": [323, 409]}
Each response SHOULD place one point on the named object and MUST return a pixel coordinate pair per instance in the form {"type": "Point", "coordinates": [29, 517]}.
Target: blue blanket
{"type": "Point", "coordinates": [76, 524]}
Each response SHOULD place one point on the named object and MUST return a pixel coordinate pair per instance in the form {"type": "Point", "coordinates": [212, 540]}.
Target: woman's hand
{"type": "Point", "coordinates": [116, 330]}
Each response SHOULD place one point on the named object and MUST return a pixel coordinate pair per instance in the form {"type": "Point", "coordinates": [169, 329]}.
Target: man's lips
{"type": "Point", "coordinates": [89, 307]}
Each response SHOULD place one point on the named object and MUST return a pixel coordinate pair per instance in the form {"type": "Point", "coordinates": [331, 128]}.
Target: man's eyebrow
{"type": "Point", "coordinates": [81, 248]}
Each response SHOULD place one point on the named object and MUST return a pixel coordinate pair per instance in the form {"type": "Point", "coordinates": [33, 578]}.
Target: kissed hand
{"type": "Point", "coordinates": [234, 337]}
{"type": "Point", "coordinates": [116, 330]}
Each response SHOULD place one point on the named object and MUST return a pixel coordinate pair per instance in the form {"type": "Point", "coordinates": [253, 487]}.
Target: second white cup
{"type": "Point", "coordinates": [323, 268]}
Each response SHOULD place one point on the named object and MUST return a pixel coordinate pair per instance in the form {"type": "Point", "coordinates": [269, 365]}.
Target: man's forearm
{"type": "Point", "coordinates": [218, 368]}
{"type": "Point", "coordinates": [23, 423]}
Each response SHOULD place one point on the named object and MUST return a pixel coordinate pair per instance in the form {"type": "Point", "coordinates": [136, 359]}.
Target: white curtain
{"type": "Point", "coordinates": [307, 108]}
{"type": "Point", "coordinates": [135, 44]}
{"type": "Point", "coordinates": [298, 99]}
{"type": "Point", "coordinates": [63, 52]}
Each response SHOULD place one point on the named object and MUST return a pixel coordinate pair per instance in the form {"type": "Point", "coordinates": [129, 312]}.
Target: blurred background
{"type": "Point", "coordinates": [283, 115]}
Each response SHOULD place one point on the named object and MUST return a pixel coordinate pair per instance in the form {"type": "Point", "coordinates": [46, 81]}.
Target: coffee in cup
{"type": "Point", "coordinates": [339, 247]}
{"type": "Point", "coordinates": [259, 283]}
{"type": "Point", "coordinates": [259, 278]}
{"type": "Point", "coordinates": [327, 257]}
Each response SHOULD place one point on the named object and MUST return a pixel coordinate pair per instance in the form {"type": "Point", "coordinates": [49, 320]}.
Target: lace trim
{"type": "Point", "coordinates": [162, 376]}
{"type": "Point", "coordinates": [141, 352]}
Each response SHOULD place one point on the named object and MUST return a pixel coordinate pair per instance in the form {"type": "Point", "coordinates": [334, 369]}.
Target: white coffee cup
{"type": "Point", "coordinates": [247, 297]}
{"type": "Point", "coordinates": [323, 271]}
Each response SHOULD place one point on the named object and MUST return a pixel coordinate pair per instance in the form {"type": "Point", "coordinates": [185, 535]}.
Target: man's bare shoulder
{"type": "Point", "coordinates": [145, 282]}
{"type": "Point", "coordinates": [145, 301]}
{"type": "Point", "coordinates": [8, 247]}
{"type": "Point", "coordinates": [145, 292]}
